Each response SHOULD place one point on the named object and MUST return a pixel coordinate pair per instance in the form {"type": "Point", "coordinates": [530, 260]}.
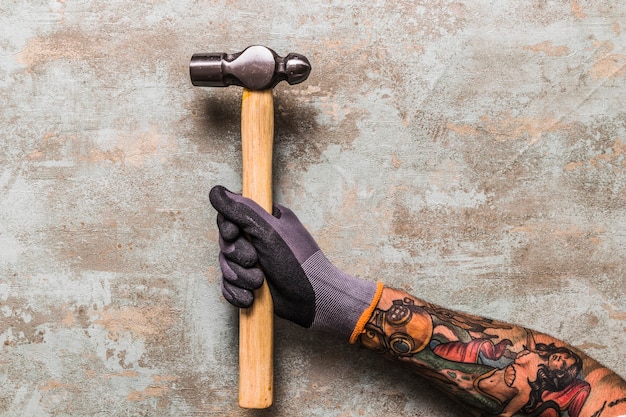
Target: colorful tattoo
{"type": "Point", "coordinates": [494, 368]}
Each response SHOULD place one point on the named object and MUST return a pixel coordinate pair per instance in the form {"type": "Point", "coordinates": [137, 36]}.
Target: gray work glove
{"type": "Point", "coordinates": [306, 288]}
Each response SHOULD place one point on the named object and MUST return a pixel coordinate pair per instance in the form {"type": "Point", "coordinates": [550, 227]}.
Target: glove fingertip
{"type": "Point", "coordinates": [237, 296]}
{"type": "Point", "coordinates": [217, 196]}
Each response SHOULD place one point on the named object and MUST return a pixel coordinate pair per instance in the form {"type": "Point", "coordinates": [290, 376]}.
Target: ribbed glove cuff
{"type": "Point", "coordinates": [343, 303]}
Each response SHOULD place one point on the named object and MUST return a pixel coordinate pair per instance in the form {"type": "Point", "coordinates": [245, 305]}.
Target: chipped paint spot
{"type": "Point", "coordinates": [508, 127]}
{"type": "Point", "coordinates": [141, 322]}
{"type": "Point", "coordinates": [608, 64]}
{"type": "Point", "coordinates": [54, 385]}
{"type": "Point", "coordinates": [396, 162]}
{"type": "Point", "coordinates": [124, 374]}
{"type": "Point", "coordinates": [614, 313]}
{"type": "Point", "coordinates": [549, 49]}
{"type": "Point", "coordinates": [164, 378]}
{"type": "Point", "coordinates": [20, 324]}
{"type": "Point", "coordinates": [463, 129]}
{"type": "Point", "coordinates": [591, 345]}
{"type": "Point", "coordinates": [153, 391]}
{"type": "Point", "coordinates": [136, 149]}
{"type": "Point", "coordinates": [614, 156]}
{"type": "Point", "coordinates": [577, 9]}
{"type": "Point", "coordinates": [71, 46]}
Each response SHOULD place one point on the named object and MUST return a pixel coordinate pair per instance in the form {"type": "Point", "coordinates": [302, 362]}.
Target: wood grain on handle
{"type": "Point", "coordinates": [256, 324]}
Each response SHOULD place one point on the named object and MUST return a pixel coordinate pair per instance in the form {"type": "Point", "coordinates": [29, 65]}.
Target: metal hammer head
{"type": "Point", "coordinates": [255, 68]}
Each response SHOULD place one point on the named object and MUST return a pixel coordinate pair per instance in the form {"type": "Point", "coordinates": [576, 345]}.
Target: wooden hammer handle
{"type": "Point", "coordinates": [256, 324]}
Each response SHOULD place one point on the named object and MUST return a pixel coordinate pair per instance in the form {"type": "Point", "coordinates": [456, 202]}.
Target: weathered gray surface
{"type": "Point", "coordinates": [471, 152]}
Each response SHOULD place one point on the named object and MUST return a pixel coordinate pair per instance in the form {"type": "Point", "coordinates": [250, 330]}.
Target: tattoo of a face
{"type": "Point", "coordinates": [402, 330]}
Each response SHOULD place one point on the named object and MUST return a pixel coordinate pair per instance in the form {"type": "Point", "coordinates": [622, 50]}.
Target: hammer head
{"type": "Point", "coordinates": [255, 68]}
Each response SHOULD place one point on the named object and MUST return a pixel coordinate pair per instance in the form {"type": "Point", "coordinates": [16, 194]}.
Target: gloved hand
{"type": "Point", "coordinates": [306, 287]}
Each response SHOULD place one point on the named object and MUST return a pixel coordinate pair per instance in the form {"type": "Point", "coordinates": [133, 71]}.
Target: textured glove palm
{"type": "Point", "coordinates": [306, 287]}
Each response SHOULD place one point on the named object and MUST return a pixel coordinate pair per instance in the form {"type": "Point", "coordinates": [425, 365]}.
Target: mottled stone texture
{"type": "Point", "coordinates": [471, 152]}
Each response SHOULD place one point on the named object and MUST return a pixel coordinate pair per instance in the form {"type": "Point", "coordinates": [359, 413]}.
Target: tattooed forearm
{"type": "Point", "coordinates": [494, 368]}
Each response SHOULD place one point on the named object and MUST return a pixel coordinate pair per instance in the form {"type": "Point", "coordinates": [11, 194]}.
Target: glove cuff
{"type": "Point", "coordinates": [360, 324]}
{"type": "Point", "coordinates": [343, 303]}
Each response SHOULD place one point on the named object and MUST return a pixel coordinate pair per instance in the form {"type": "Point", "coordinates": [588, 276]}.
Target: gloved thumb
{"type": "Point", "coordinates": [245, 213]}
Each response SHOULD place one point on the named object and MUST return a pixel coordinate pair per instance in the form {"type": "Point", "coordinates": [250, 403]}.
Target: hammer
{"type": "Point", "coordinates": [257, 69]}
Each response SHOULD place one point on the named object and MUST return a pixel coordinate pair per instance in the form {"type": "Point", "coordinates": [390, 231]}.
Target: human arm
{"type": "Point", "coordinates": [491, 367]}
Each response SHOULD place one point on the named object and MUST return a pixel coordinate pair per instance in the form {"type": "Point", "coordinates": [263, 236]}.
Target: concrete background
{"type": "Point", "coordinates": [470, 152]}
